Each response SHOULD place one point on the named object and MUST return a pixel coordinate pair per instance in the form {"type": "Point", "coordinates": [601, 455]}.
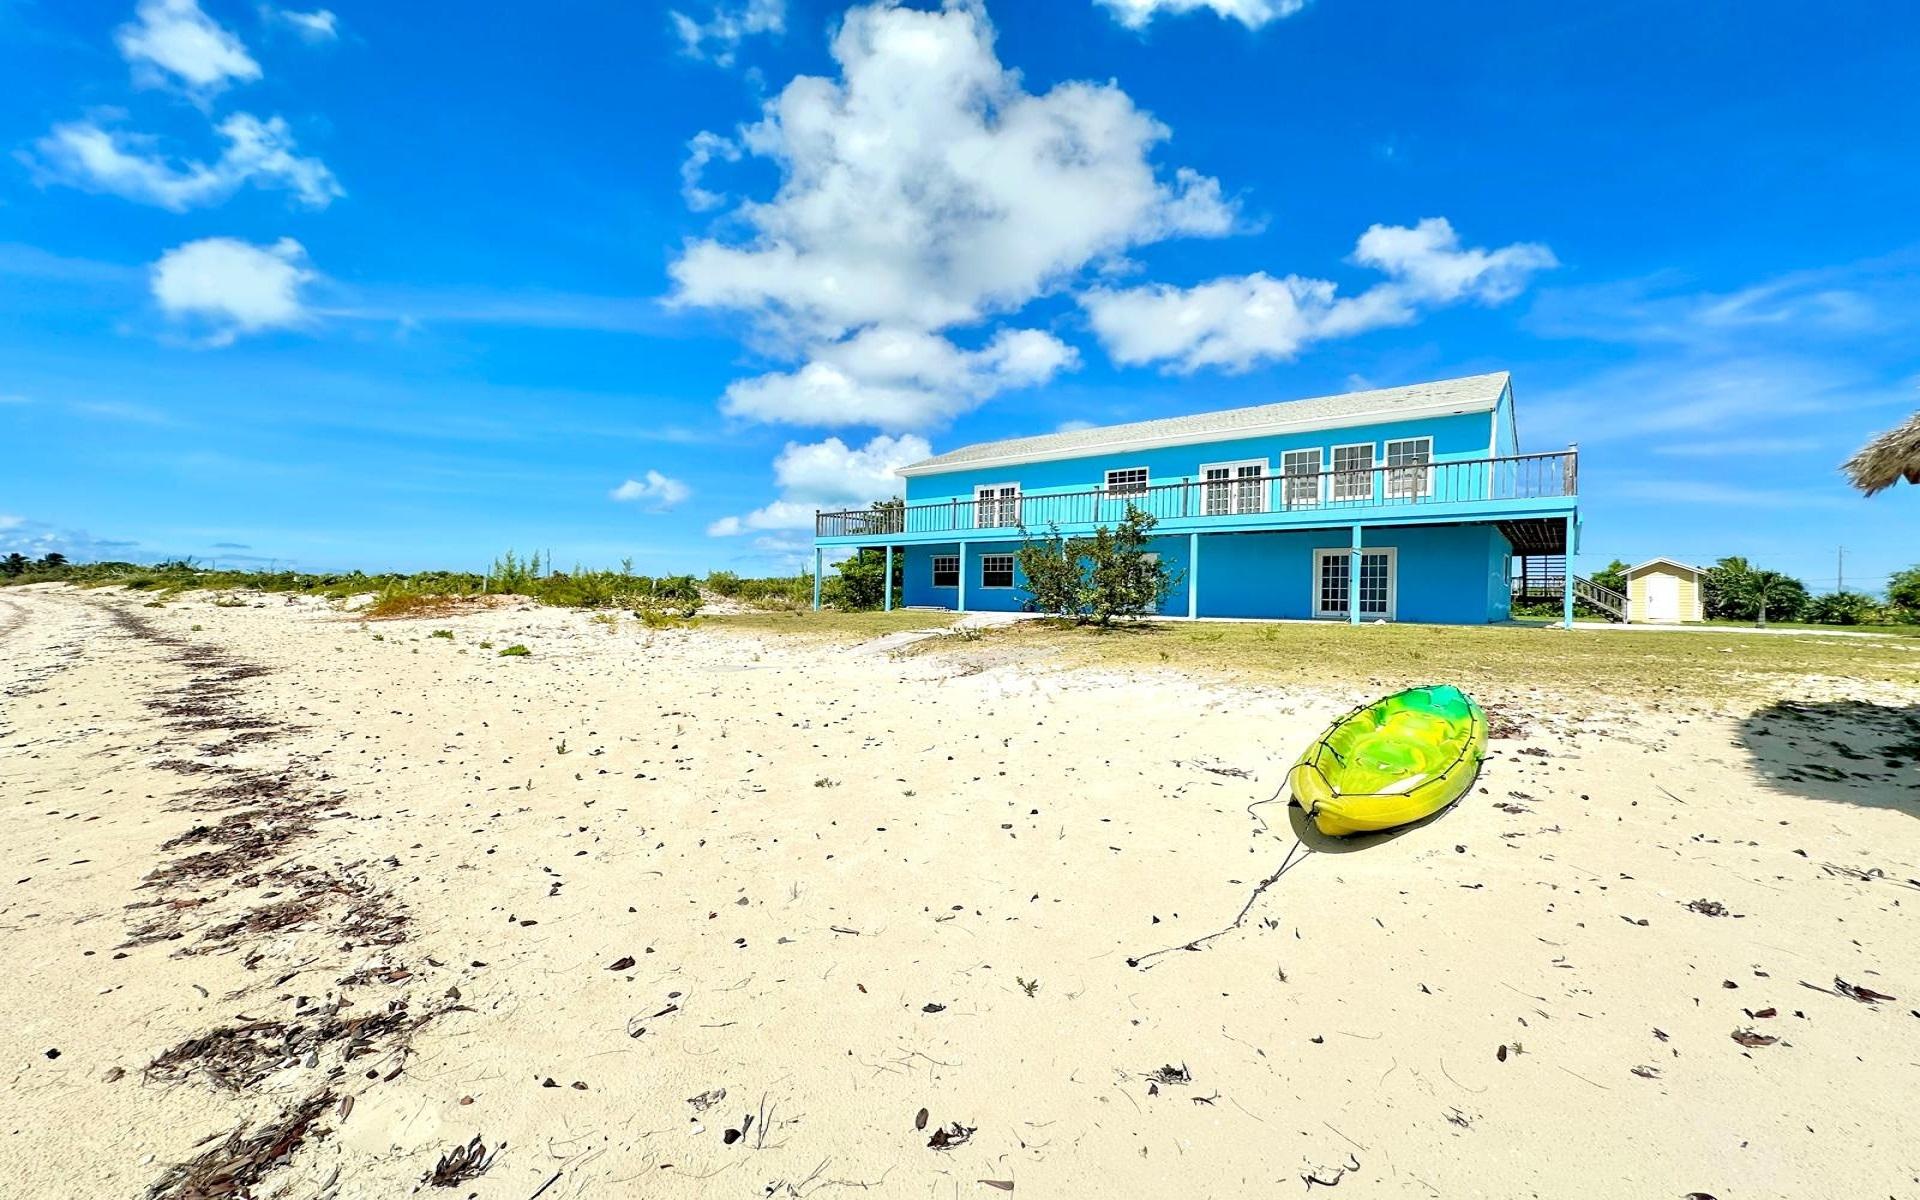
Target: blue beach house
{"type": "Point", "coordinates": [1397, 504]}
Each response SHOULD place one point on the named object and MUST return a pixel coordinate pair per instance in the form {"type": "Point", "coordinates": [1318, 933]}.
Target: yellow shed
{"type": "Point", "coordinates": [1663, 591]}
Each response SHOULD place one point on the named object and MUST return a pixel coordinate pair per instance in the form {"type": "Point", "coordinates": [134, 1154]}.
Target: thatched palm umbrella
{"type": "Point", "coordinates": [1887, 459]}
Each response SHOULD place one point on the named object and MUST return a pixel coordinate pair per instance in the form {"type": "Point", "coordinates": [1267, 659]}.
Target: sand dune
{"type": "Point", "coordinates": [305, 905]}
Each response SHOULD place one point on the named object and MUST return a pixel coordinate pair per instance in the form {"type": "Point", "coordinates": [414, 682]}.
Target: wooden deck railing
{"type": "Point", "coordinates": [1450, 482]}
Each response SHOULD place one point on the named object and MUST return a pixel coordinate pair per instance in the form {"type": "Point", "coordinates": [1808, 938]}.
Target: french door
{"type": "Point", "coordinates": [1378, 583]}
{"type": "Point", "coordinates": [996, 505]}
{"type": "Point", "coordinates": [1234, 488]}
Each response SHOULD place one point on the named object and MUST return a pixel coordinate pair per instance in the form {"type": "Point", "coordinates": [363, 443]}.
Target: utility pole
{"type": "Point", "coordinates": [1840, 571]}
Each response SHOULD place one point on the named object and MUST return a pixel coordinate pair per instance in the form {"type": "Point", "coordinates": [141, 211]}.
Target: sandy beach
{"type": "Point", "coordinates": [298, 905]}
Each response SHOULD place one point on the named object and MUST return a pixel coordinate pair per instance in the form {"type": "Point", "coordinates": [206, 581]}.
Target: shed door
{"type": "Point", "coordinates": [1663, 598]}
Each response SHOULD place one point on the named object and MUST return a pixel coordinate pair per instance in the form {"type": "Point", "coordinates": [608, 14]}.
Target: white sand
{"type": "Point", "coordinates": [804, 850]}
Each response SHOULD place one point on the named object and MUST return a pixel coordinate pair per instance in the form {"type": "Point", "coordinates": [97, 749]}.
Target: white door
{"type": "Point", "coordinates": [1377, 584]}
{"type": "Point", "coordinates": [1663, 598]}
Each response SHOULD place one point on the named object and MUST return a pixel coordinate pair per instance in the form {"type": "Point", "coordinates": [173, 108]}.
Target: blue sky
{"type": "Point", "coordinates": [404, 285]}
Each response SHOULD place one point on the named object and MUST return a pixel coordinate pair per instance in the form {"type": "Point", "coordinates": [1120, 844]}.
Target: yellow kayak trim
{"type": "Point", "coordinates": [1391, 762]}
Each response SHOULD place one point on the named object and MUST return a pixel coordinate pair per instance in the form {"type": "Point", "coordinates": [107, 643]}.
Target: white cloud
{"type": "Point", "coordinates": [1237, 322]}
{"type": "Point", "coordinates": [10, 522]}
{"type": "Point", "coordinates": [719, 37]}
{"type": "Point", "coordinates": [702, 149]}
{"type": "Point", "coordinates": [320, 25]}
{"type": "Point", "coordinates": [174, 38]}
{"type": "Point", "coordinates": [826, 475]}
{"type": "Point", "coordinates": [921, 189]}
{"type": "Point", "coordinates": [1135, 14]}
{"type": "Point", "coordinates": [233, 287]}
{"type": "Point", "coordinates": [925, 187]}
{"type": "Point", "coordinates": [897, 378]}
{"type": "Point", "coordinates": [1428, 265]}
{"type": "Point", "coordinates": [654, 491]}
{"type": "Point", "coordinates": [87, 155]}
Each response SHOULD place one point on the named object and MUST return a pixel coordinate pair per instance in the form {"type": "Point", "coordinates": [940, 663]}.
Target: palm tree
{"type": "Point", "coordinates": [1765, 589]}
{"type": "Point", "coordinates": [14, 564]}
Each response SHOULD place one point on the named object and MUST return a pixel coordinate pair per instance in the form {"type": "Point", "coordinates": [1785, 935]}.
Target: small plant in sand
{"type": "Point", "coordinates": [442, 633]}
{"type": "Point", "coordinates": [515, 651]}
{"type": "Point", "coordinates": [486, 645]}
{"type": "Point", "coordinates": [1029, 986]}
{"type": "Point", "coordinates": [196, 629]}
{"type": "Point", "coordinates": [824, 782]}
{"type": "Point", "coordinates": [562, 747]}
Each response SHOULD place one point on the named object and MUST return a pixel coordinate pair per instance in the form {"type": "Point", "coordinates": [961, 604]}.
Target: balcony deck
{"type": "Point", "coordinates": [1513, 488]}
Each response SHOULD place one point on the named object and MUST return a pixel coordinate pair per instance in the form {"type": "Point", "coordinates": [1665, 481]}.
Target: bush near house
{"type": "Point", "coordinates": [1098, 578]}
{"type": "Point", "coordinates": [860, 584]}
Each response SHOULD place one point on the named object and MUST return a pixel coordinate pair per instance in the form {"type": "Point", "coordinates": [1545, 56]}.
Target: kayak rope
{"type": "Point", "coordinates": [1144, 961]}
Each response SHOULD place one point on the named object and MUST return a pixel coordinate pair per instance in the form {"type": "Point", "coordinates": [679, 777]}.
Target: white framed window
{"type": "Point", "coordinates": [946, 570]}
{"type": "Point", "coordinates": [1379, 583]}
{"type": "Point", "coordinates": [1410, 470]}
{"type": "Point", "coordinates": [1233, 487]}
{"type": "Point", "coordinates": [1127, 481]}
{"type": "Point", "coordinates": [996, 505]}
{"type": "Point", "coordinates": [1353, 472]}
{"type": "Point", "coordinates": [996, 570]}
{"type": "Point", "coordinates": [1304, 486]}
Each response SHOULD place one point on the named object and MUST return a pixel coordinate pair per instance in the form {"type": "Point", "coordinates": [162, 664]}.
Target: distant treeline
{"type": "Point", "coordinates": [395, 593]}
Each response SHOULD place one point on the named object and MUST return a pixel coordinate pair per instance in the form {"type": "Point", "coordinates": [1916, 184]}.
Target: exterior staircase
{"type": "Point", "coordinates": [1542, 580]}
{"type": "Point", "coordinates": [1610, 603]}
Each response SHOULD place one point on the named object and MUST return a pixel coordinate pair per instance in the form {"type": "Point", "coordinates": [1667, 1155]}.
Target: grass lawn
{"type": "Point", "coordinates": [1384, 657]}
{"type": "Point", "coordinates": [827, 624]}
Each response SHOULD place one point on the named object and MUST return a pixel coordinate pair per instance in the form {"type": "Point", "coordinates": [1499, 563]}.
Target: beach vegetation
{"type": "Point", "coordinates": [1098, 578]}
{"type": "Point", "coordinates": [515, 651]}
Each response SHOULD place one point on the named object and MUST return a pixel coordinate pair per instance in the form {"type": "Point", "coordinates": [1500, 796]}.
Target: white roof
{"type": "Point", "coordinates": [1472, 393]}
{"type": "Point", "coordinates": [1671, 562]}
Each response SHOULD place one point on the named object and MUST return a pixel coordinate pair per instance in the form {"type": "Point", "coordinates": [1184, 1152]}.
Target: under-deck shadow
{"type": "Point", "coordinates": [1842, 751]}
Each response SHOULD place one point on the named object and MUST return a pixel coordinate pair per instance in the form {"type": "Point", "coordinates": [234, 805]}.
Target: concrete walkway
{"type": "Point", "coordinates": [888, 643]}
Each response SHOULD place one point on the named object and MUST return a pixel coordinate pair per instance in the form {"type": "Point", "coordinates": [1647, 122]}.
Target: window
{"type": "Point", "coordinates": [1353, 472]}
{"type": "Point", "coordinates": [1128, 481]}
{"type": "Point", "coordinates": [946, 570]}
{"type": "Point", "coordinates": [1409, 471]}
{"type": "Point", "coordinates": [1233, 487]}
{"type": "Point", "coordinates": [996, 505]}
{"type": "Point", "coordinates": [1301, 469]}
{"type": "Point", "coordinates": [996, 570]}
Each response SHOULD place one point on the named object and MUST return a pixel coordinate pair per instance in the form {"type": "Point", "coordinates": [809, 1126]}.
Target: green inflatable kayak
{"type": "Point", "coordinates": [1391, 762]}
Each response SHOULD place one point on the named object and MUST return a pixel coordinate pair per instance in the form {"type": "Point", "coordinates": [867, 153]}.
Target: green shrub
{"type": "Point", "coordinates": [860, 584]}
{"type": "Point", "coordinates": [1108, 575]}
{"type": "Point", "coordinates": [1055, 578]}
{"type": "Point", "coordinates": [1843, 608]}
{"type": "Point", "coordinates": [515, 651]}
